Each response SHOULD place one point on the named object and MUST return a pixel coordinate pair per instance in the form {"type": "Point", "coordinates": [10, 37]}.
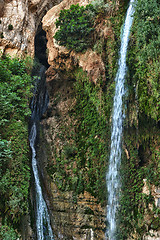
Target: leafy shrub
{"type": "Point", "coordinates": [141, 140]}
{"type": "Point", "coordinates": [76, 27]}
{"type": "Point", "coordinates": [144, 57]}
{"type": "Point", "coordinates": [98, 47]}
{"type": "Point", "coordinates": [15, 93]}
{"type": "Point", "coordinates": [147, 28]}
{"type": "Point", "coordinates": [100, 6]}
{"type": "Point", "coordinates": [8, 233]}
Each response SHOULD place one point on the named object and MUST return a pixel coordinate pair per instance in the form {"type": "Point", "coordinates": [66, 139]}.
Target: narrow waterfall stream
{"type": "Point", "coordinates": [38, 106]}
{"type": "Point", "coordinates": [112, 177]}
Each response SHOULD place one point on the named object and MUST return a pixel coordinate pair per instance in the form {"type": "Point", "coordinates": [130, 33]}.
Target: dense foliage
{"type": "Point", "coordinates": [142, 165]}
{"type": "Point", "coordinates": [145, 57]}
{"type": "Point", "coordinates": [81, 162]}
{"type": "Point", "coordinates": [76, 27]}
{"type": "Point", "coordinates": [15, 86]}
{"type": "Point", "coordinates": [141, 159]}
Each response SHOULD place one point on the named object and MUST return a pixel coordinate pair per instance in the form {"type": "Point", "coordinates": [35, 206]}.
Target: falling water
{"type": "Point", "coordinates": [112, 177]}
{"type": "Point", "coordinates": [38, 106]}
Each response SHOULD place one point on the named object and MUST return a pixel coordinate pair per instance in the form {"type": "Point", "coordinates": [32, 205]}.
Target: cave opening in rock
{"type": "Point", "coordinates": [40, 44]}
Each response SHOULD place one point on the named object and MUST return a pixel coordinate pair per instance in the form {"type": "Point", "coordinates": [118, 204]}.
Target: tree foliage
{"type": "Point", "coordinates": [144, 60]}
{"type": "Point", "coordinates": [80, 165]}
{"type": "Point", "coordinates": [75, 27]}
{"type": "Point", "coordinates": [141, 140]}
{"type": "Point", "coordinates": [15, 92]}
{"type": "Point", "coordinates": [147, 28]}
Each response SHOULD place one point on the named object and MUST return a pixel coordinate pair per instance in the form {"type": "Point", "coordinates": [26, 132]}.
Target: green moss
{"type": "Point", "coordinates": [140, 161]}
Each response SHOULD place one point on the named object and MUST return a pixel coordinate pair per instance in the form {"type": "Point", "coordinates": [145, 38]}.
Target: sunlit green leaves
{"type": "Point", "coordinates": [76, 27]}
{"type": "Point", "coordinates": [15, 93]}
{"type": "Point", "coordinates": [144, 57]}
{"type": "Point", "coordinates": [147, 26]}
{"type": "Point", "coordinates": [8, 233]}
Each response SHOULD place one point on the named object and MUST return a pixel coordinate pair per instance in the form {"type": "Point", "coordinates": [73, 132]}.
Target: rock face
{"type": "Point", "coordinates": [74, 216]}
{"type": "Point", "coordinates": [81, 216]}
{"type": "Point", "coordinates": [60, 58]}
{"type": "Point", "coordinates": [153, 235]}
{"type": "Point", "coordinates": [155, 191]}
{"type": "Point", "coordinates": [81, 220]}
{"type": "Point", "coordinates": [19, 21]}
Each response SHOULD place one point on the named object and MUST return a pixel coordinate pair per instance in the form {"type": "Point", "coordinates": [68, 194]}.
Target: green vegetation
{"type": "Point", "coordinates": [138, 213]}
{"type": "Point", "coordinates": [10, 27]}
{"type": "Point", "coordinates": [8, 233]}
{"type": "Point", "coordinates": [80, 165]}
{"type": "Point", "coordinates": [144, 60]}
{"type": "Point", "coordinates": [1, 35]}
{"type": "Point", "coordinates": [15, 92]}
{"type": "Point", "coordinates": [143, 163]}
{"type": "Point", "coordinates": [76, 27]}
{"type": "Point", "coordinates": [81, 162]}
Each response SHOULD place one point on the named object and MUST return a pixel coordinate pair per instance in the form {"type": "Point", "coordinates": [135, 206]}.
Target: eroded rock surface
{"type": "Point", "coordinates": [61, 58]}
{"type": "Point", "coordinates": [74, 216]}
{"type": "Point", "coordinates": [19, 21]}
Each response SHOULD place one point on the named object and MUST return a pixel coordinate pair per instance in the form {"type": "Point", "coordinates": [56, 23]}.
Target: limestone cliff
{"type": "Point", "coordinates": [74, 137]}
{"type": "Point", "coordinates": [61, 58]}
{"type": "Point", "coordinates": [77, 211]}
{"type": "Point", "coordinates": [19, 21]}
{"type": "Point", "coordinates": [137, 146]}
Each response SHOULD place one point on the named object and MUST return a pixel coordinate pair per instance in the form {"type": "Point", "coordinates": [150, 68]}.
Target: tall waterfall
{"type": "Point", "coordinates": [112, 177]}
{"type": "Point", "coordinates": [38, 106]}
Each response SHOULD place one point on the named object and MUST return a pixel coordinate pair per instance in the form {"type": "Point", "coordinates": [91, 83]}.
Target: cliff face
{"type": "Point", "coordinates": [19, 22]}
{"type": "Point", "coordinates": [62, 59]}
{"type": "Point", "coordinates": [139, 143]}
{"type": "Point", "coordinates": [77, 212]}
{"type": "Point", "coordinates": [74, 141]}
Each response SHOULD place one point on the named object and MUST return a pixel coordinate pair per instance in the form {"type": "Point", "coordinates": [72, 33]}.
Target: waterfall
{"type": "Point", "coordinates": [112, 177]}
{"type": "Point", "coordinates": [38, 106]}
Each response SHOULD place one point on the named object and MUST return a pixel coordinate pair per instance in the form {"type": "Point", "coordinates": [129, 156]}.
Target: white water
{"type": "Point", "coordinates": [44, 230]}
{"type": "Point", "coordinates": [39, 105]}
{"type": "Point", "coordinates": [112, 177]}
